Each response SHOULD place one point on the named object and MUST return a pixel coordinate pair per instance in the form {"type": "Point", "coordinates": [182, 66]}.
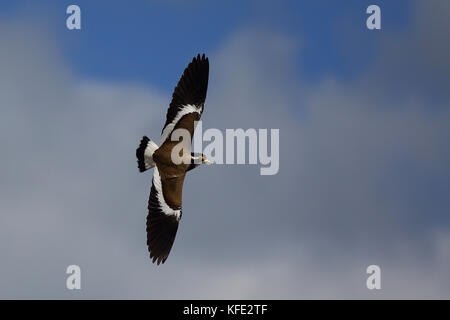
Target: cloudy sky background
{"type": "Point", "coordinates": [364, 151]}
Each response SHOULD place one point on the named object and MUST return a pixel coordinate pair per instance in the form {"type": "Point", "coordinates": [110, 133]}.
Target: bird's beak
{"type": "Point", "coordinates": [207, 161]}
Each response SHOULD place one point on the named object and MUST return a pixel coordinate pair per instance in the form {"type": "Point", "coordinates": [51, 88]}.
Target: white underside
{"type": "Point", "coordinates": [148, 154]}
{"type": "Point", "coordinates": [162, 203]}
{"type": "Point", "coordinates": [169, 128]}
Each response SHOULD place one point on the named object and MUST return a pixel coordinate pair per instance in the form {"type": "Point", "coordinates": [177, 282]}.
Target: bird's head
{"type": "Point", "coordinates": [199, 159]}
{"type": "Point", "coordinates": [205, 160]}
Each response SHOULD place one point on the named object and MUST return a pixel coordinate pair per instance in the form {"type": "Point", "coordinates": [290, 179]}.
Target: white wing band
{"type": "Point", "coordinates": [189, 108]}
{"type": "Point", "coordinates": [162, 203]}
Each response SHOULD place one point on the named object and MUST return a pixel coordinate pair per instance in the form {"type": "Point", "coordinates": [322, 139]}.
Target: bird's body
{"type": "Point", "coordinates": [165, 202]}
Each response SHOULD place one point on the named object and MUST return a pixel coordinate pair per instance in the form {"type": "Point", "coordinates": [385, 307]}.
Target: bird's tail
{"type": "Point", "coordinates": [144, 154]}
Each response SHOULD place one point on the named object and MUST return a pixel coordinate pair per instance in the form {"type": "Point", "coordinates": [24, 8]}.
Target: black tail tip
{"type": "Point", "coordinates": [140, 151]}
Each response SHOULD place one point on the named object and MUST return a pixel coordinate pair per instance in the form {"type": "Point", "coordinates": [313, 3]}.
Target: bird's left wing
{"type": "Point", "coordinates": [163, 215]}
{"type": "Point", "coordinates": [188, 97]}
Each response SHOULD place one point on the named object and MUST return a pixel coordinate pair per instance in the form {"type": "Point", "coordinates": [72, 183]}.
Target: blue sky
{"type": "Point", "coordinates": [150, 41]}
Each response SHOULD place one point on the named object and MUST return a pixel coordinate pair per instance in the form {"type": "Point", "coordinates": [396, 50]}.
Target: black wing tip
{"type": "Point", "coordinates": [200, 57]}
{"type": "Point", "coordinates": [140, 151]}
{"type": "Point", "coordinates": [160, 247]}
{"type": "Point", "coordinates": [161, 230]}
{"type": "Point", "coordinates": [201, 62]}
{"type": "Point", "coordinates": [161, 233]}
{"type": "Point", "coordinates": [157, 260]}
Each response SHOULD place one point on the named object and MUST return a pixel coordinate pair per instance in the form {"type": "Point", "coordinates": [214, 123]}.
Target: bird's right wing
{"type": "Point", "coordinates": [162, 219]}
{"type": "Point", "coordinates": [189, 95]}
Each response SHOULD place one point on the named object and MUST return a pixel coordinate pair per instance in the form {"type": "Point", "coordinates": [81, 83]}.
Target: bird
{"type": "Point", "coordinates": [164, 204]}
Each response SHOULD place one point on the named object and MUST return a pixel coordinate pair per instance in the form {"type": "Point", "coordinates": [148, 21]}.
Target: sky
{"type": "Point", "coordinates": [364, 155]}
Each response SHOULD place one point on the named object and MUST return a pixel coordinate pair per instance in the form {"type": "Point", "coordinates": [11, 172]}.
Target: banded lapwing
{"type": "Point", "coordinates": [164, 204]}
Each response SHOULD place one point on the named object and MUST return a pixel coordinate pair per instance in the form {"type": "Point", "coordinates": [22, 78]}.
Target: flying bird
{"type": "Point", "coordinates": [164, 204]}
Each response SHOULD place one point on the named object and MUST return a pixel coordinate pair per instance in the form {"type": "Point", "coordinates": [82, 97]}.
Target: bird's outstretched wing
{"type": "Point", "coordinates": [164, 205]}
{"type": "Point", "coordinates": [164, 213]}
{"type": "Point", "coordinates": [189, 95]}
